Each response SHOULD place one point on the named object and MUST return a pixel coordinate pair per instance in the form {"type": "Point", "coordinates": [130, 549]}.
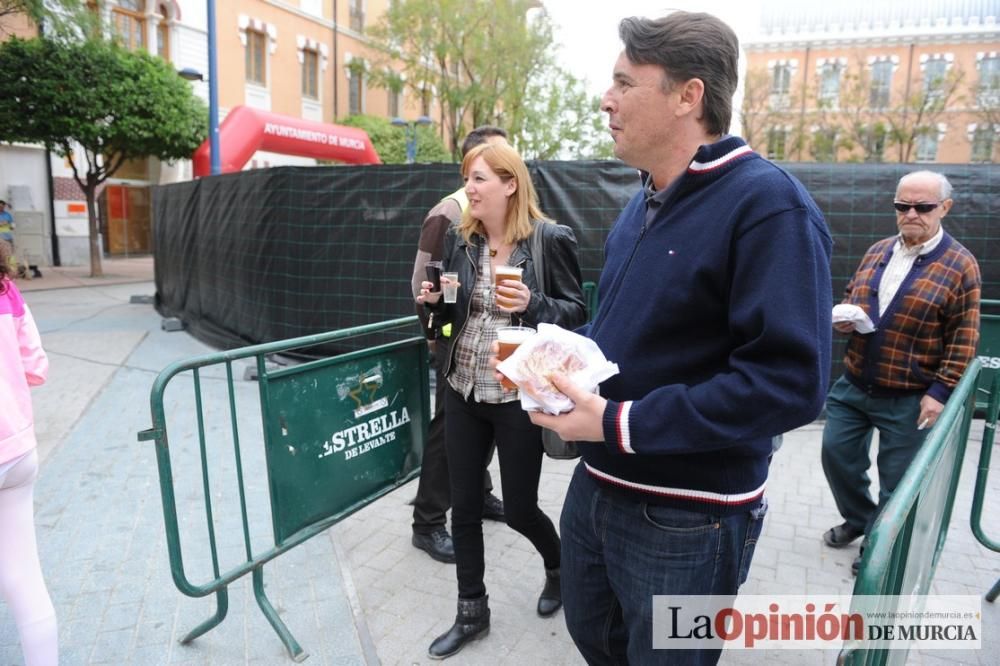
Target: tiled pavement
{"type": "Point", "coordinates": [359, 593]}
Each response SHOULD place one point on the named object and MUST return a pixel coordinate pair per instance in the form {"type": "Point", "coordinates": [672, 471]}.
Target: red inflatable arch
{"type": "Point", "coordinates": [246, 130]}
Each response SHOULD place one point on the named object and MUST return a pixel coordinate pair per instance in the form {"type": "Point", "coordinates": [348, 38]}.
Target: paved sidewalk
{"type": "Point", "coordinates": [360, 593]}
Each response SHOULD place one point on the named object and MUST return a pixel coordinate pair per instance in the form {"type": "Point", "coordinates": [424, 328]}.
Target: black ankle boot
{"type": "Point", "coordinates": [550, 599]}
{"type": "Point", "coordinates": [471, 623]}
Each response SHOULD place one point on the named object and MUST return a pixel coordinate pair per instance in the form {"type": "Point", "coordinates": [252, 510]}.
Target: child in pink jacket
{"type": "Point", "coordinates": [22, 364]}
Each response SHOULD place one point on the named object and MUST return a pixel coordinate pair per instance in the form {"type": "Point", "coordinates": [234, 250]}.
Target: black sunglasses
{"type": "Point", "coordinates": [920, 208]}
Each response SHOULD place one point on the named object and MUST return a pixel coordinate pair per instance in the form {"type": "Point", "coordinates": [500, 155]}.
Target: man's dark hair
{"type": "Point", "coordinates": [2, 202]}
{"type": "Point", "coordinates": [479, 136]}
{"type": "Point", "coordinates": [689, 46]}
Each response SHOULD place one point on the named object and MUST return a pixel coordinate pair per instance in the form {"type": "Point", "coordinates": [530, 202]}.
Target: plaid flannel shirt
{"type": "Point", "coordinates": [926, 338]}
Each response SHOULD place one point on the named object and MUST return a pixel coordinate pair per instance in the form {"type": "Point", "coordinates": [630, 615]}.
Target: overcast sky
{"type": "Point", "coordinates": [588, 32]}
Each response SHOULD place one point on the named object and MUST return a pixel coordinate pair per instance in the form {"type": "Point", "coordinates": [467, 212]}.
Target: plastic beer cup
{"type": "Point", "coordinates": [509, 339]}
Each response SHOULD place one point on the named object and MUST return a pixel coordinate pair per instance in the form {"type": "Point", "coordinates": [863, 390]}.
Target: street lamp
{"type": "Point", "coordinates": [410, 127]}
{"type": "Point", "coordinates": [213, 93]}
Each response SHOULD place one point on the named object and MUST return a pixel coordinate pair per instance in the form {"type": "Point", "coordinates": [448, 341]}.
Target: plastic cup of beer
{"type": "Point", "coordinates": [450, 287]}
{"type": "Point", "coordinates": [502, 273]}
{"type": "Point", "coordinates": [509, 339]}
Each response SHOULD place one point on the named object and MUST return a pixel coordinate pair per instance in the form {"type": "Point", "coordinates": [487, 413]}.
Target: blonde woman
{"type": "Point", "coordinates": [496, 230]}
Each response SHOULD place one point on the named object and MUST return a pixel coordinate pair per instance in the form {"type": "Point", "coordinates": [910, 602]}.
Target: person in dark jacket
{"type": "Point", "coordinates": [921, 290]}
{"type": "Point", "coordinates": [495, 230]}
{"type": "Point", "coordinates": [715, 302]}
{"type": "Point", "coordinates": [433, 498]}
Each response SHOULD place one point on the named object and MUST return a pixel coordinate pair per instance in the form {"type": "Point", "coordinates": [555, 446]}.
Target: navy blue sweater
{"type": "Point", "coordinates": [718, 316]}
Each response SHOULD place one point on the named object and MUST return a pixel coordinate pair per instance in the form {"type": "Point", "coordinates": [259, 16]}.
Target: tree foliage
{"type": "Point", "coordinates": [486, 63]}
{"type": "Point", "coordinates": [390, 141]}
{"type": "Point", "coordinates": [97, 105]}
{"type": "Point", "coordinates": [58, 17]}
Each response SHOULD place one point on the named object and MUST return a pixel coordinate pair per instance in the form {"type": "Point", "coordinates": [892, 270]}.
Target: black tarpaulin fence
{"type": "Point", "coordinates": [270, 254]}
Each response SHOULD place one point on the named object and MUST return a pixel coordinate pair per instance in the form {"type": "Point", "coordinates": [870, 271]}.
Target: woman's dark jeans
{"type": "Point", "coordinates": [470, 429]}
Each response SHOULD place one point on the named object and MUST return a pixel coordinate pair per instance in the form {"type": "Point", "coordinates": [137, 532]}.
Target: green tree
{"type": "Point", "coordinates": [59, 17]}
{"type": "Point", "coordinates": [390, 141]}
{"type": "Point", "coordinates": [488, 62]}
{"type": "Point", "coordinates": [920, 109]}
{"type": "Point", "coordinates": [97, 105]}
{"type": "Point", "coordinates": [765, 114]}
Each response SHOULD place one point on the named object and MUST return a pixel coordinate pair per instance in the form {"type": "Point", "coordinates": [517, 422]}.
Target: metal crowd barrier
{"type": "Point", "coordinates": [979, 498]}
{"type": "Point", "coordinates": [338, 433]}
{"type": "Point", "coordinates": [908, 536]}
{"type": "Point", "coordinates": [989, 348]}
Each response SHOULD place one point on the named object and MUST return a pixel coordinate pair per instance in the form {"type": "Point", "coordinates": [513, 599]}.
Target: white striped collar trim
{"type": "Point", "coordinates": [700, 167]}
{"type": "Point", "coordinates": [679, 493]}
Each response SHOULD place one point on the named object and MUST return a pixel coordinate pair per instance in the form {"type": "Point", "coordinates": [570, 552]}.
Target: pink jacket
{"type": "Point", "coordinates": [23, 363]}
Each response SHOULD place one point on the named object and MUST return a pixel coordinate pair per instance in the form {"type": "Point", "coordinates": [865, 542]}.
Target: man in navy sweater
{"type": "Point", "coordinates": [715, 302]}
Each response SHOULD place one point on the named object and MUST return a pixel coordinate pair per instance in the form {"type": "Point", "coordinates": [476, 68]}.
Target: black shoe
{"type": "Point", "coordinates": [493, 508]}
{"type": "Point", "coordinates": [550, 599]}
{"type": "Point", "coordinates": [437, 544]}
{"type": "Point", "coordinates": [471, 623]}
{"type": "Point", "coordinates": [842, 535]}
{"type": "Point", "coordinates": [856, 564]}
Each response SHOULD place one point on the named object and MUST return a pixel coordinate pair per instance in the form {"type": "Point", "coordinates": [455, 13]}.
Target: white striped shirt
{"type": "Point", "coordinates": [899, 266]}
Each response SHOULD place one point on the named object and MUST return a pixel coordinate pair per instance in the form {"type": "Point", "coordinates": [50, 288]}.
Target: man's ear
{"type": "Point", "coordinates": [946, 206]}
{"type": "Point", "coordinates": [692, 92]}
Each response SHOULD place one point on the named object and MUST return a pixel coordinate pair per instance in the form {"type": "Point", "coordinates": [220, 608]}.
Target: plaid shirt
{"type": "Point", "coordinates": [471, 374]}
{"type": "Point", "coordinates": [928, 334]}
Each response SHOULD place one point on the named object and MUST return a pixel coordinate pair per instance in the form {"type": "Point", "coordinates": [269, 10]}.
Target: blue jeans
{"type": "Point", "coordinates": [618, 552]}
{"type": "Point", "coordinates": [852, 416]}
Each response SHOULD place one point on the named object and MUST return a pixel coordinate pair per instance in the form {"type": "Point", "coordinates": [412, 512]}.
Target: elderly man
{"type": "Point", "coordinates": [920, 288]}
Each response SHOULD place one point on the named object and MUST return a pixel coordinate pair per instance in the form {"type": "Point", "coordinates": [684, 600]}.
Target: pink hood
{"type": "Point", "coordinates": [23, 363]}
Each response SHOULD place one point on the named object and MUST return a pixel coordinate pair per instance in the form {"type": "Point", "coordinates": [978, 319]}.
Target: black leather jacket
{"type": "Point", "coordinates": [562, 305]}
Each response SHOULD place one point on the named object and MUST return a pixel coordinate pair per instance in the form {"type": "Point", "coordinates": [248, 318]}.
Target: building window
{"type": "Point", "coordinates": [983, 139]}
{"type": "Point", "coordinates": [934, 73]}
{"type": "Point", "coordinates": [878, 97]}
{"type": "Point", "coordinates": [163, 34]}
{"type": "Point", "coordinates": [781, 79]}
{"type": "Point", "coordinates": [426, 97]}
{"type": "Point", "coordinates": [394, 103]}
{"type": "Point", "coordinates": [988, 93]}
{"type": "Point", "coordinates": [310, 74]}
{"type": "Point", "coordinates": [782, 72]}
{"type": "Point", "coordinates": [355, 87]}
{"type": "Point", "coordinates": [874, 143]}
{"type": "Point", "coordinates": [256, 57]}
{"type": "Point", "coordinates": [129, 21]}
{"type": "Point", "coordinates": [927, 146]}
{"type": "Point", "coordinates": [776, 143]}
{"type": "Point", "coordinates": [357, 15]}
{"type": "Point", "coordinates": [829, 84]}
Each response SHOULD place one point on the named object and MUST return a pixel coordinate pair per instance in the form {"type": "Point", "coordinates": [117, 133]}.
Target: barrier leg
{"type": "Point", "coordinates": [994, 592]}
{"type": "Point", "coordinates": [221, 608]}
{"type": "Point", "coordinates": [295, 651]}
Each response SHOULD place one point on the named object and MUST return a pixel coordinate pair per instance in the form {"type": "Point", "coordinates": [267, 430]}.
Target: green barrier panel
{"type": "Point", "coordinates": [989, 349]}
{"type": "Point", "coordinates": [979, 498]}
{"type": "Point", "coordinates": [908, 536]}
{"type": "Point", "coordinates": [341, 430]}
{"type": "Point", "coordinates": [338, 434]}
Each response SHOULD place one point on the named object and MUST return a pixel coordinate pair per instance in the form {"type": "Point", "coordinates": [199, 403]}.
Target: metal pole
{"type": "Point", "coordinates": [411, 143]}
{"type": "Point", "coordinates": [213, 94]}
